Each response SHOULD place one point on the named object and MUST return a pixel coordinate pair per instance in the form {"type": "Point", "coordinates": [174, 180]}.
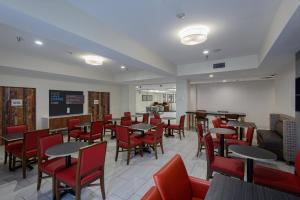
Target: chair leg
{"type": "Point", "coordinates": [78, 192]}
{"type": "Point", "coordinates": [10, 161]}
{"type": "Point", "coordinates": [39, 181]}
{"type": "Point", "coordinates": [208, 174]}
{"type": "Point", "coordinates": [198, 150]}
{"type": "Point", "coordinates": [141, 150]}
{"type": "Point", "coordinates": [102, 186]}
{"type": "Point", "coordinates": [183, 132]}
{"type": "Point", "coordinates": [68, 138]}
{"type": "Point", "coordinates": [53, 187]}
{"type": "Point", "coordinates": [155, 150]}
{"type": "Point", "coordinates": [24, 162]}
{"type": "Point", "coordinates": [57, 193]}
{"type": "Point", "coordinates": [128, 155]}
{"type": "Point", "coordinates": [5, 157]}
{"type": "Point", "coordinates": [117, 153]}
{"type": "Point", "coordinates": [162, 147]}
{"type": "Point", "coordinates": [179, 134]}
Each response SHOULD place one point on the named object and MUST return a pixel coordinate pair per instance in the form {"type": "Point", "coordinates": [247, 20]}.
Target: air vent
{"type": "Point", "coordinates": [218, 65]}
{"type": "Point", "coordinates": [272, 76]}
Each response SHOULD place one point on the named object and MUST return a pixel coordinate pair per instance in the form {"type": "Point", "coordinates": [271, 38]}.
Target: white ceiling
{"type": "Point", "coordinates": [238, 27]}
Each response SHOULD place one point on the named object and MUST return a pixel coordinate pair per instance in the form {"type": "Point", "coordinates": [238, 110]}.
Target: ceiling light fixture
{"type": "Point", "coordinates": [224, 81]}
{"type": "Point", "coordinates": [38, 42]}
{"type": "Point", "coordinates": [211, 76]}
{"type": "Point", "coordinates": [93, 60]}
{"type": "Point", "coordinates": [193, 35]}
{"type": "Point", "coordinates": [205, 52]}
{"type": "Point", "coordinates": [123, 67]}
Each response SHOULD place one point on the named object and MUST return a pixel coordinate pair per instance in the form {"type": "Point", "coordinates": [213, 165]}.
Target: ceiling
{"type": "Point", "coordinates": [142, 35]}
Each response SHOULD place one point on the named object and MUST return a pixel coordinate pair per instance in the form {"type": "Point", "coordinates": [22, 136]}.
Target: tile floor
{"type": "Point", "coordinates": [122, 182]}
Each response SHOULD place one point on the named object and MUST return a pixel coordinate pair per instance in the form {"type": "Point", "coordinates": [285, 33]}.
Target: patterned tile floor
{"type": "Point", "coordinates": [122, 182]}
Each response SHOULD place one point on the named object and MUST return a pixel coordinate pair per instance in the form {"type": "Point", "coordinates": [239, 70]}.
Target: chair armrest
{"type": "Point", "coordinates": [199, 187]}
{"type": "Point", "coordinates": [152, 194]}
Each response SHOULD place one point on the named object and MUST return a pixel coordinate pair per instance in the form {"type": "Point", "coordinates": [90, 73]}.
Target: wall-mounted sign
{"type": "Point", "coordinates": [96, 102]}
{"type": "Point", "coordinates": [17, 102]}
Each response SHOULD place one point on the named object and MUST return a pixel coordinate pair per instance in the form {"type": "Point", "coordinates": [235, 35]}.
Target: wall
{"type": "Point", "coordinates": [45, 83]}
{"type": "Point", "coordinates": [284, 86]}
{"type": "Point", "coordinates": [297, 71]}
{"type": "Point", "coordinates": [255, 98]}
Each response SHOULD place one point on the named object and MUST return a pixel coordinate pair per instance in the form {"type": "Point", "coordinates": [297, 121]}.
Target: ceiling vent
{"type": "Point", "coordinates": [272, 76]}
{"type": "Point", "coordinates": [218, 65]}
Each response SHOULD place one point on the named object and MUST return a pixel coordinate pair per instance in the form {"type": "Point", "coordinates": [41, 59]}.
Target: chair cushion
{"type": "Point", "coordinates": [75, 133]}
{"type": "Point", "coordinates": [88, 137]}
{"type": "Point", "coordinates": [174, 126]}
{"type": "Point", "coordinates": [150, 139]}
{"type": "Point", "coordinates": [276, 179]}
{"type": "Point", "coordinates": [13, 145]}
{"type": "Point", "coordinates": [18, 152]}
{"type": "Point", "coordinates": [52, 166]}
{"type": "Point", "coordinates": [110, 126]}
{"type": "Point", "coordinates": [269, 139]}
{"type": "Point", "coordinates": [133, 142]}
{"type": "Point", "coordinates": [279, 127]}
{"type": "Point", "coordinates": [229, 166]}
{"type": "Point", "coordinates": [152, 194]}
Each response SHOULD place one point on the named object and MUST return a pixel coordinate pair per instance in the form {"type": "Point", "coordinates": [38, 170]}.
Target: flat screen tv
{"type": "Point", "coordinates": [63, 102]}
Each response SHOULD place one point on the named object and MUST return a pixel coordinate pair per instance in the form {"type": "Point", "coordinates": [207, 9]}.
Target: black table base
{"type": "Point", "coordinates": [221, 148]}
{"type": "Point", "coordinates": [249, 170]}
{"type": "Point", "coordinates": [241, 133]}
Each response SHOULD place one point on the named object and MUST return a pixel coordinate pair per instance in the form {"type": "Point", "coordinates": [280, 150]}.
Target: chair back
{"type": "Point", "coordinates": [16, 129]}
{"type": "Point", "coordinates": [46, 142]}
{"type": "Point", "coordinates": [97, 128]}
{"type": "Point", "coordinates": [155, 121]}
{"type": "Point", "coordinates": [166, 180]}
{"type": "Point", "coordinates": [209, 145]}
{"type": "Point", "coordinates": [201, 115]}
{"type": "Point", "coordinates": [297, 164]}
{"type": "Point", "coordinates": [126, 121]}
{"type": "Point", "coordinates": [216, 123]}
{"type": "Point", "coordinates": [181, 122]}
{"type": "Point", "coordinates": [146, 118]}
{"type": "Point", "coordinates": [30, 141]}
{"type": "Point", "coordinates": [159, 130]}
{"type": "Point", "coordinates": [107, 118]}
{"type": "Point", "coordinates": [200, 131]}
{"type": "Point", "coordinates": [127, 114]}
{"type": "Point", "coordinates": [87, 163]}
{"type": "Point", "coordinates": [122, 134]}
{"type": "Point", "coordinates": [249, 136]}
{"type": "Point", "coordinates": [156, 115]}
{"type": "Point", "coordinates": [232, 117]}
{"type": "Point", "coordinates": [72, 123]}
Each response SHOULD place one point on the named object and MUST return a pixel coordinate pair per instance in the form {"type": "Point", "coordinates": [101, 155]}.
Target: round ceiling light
{"type": "Point", "coordinates": [93, 60]}
{"type": "Point", "coordinates": [193, 35]}
{"type": "Point", "coordinates": [38, 42]}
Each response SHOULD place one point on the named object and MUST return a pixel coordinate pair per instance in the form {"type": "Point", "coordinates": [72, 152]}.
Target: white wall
{"type": "Point", "coordinates": [43, 85]}
{"type": "Point", "coordinates": [255, 98]}
{"type": "Point", "coordinates": [182, 97]}
{"type": "Point", "coordinates": [285, 91]}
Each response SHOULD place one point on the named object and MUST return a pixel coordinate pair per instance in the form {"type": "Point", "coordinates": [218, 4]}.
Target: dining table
{"type": "Point", "coordinates": [169, 123]}
{"type": "Point", "coordinates": [222, 132]}
{"type": "Point", "coordinates": [142, 128]}
{"type": "Point", "coordinates": [84, 125]}
{"type": "Point", "coordinates": [251, 153]}
{"type": "Point", "coordinates": [241, 125]}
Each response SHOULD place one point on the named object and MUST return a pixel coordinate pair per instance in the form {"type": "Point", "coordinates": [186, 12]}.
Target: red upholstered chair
{"type": "Point", "coordinates": [95, 133]}
{"type": "Point", "coordinates": [124, 141]}
{"type": "Point", "coordinates": [145, 118]}
{"type": "Point", "coordinates": [179, 128]}
{"type": "Point", "coordinates": [86, 171]}
{"type": "Point", "coordinates": [9, 146]}
{"type": "Point", "coordinates": [173, 182]}
{"type": "Point", "coordinates": [29, 148]}
{"type": "Point", "coordinates": [152, 194]}
{"type": "Point", "coordinates": [156, 116]}
{"type": "Point", "coordinates": [73, 131]}
{"type": "Point", "coordinates": [249, 138]}
{"type": "Point", "coordinates": [155, 121]}
{"type": "Point", "coordinates": [227, 166]}
{"type": "Point", "coordinates": [127, 114]}
{"type": "Point", "coordinates": [155, 138]}
{"type": "Point", "coordinates": [126, 121]}
{"type": "Point", "coordinates": [46, 165]}
{"type": "Point", "coordinates": [217, 123]}
{"type": "Point", "coordinates": [201, 139]}
{"type": "Point", "coordinates": [277, 179]}
{"type": "Point", "coordinates": [108, 125]}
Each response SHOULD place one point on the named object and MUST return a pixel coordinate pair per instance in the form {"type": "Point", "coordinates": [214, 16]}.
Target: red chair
{"type": "Point", "coordinates": [155, 121]}
{"type": "Point", "coordinates": [277, 179]}
{"type": "Point", "coordinates": [108, 125]}
{"type": "Point", "coordinates": [145, 119]}
{"type": "Point", "coordinates": [125, 141]}
{"type": "Point", "coordinates": [217, 124]}
{"type": "Point", "coordinates": [201, 139]}
{"type": "Point", "coordinates": [73, 131]}
{"type": "Point", "coordinates": [29, 148]}
{"type": "Point", "coordinates": [228, 166]}
{"type": "Point", "coordinates": [95, 133]}
{"type": "Point", "coordinates": [168, 186]}
{"type": "Point", "coordinates": [152, 194]}
{"type": "Point", "coordinates": [86, 171]}
{"type": "Point", "coordinates": [46, 165]}
{"type": "Point", "coordinates": [9, 146]}
{"type": "Point", "coordinates": [127, 114]}
{"type": "Point", "coordinates": [248, 141]}
{"type": "Point", "coordinates": [126, 121]}
{"type": "Point", "coordinates": [179, 128]}
{"type": "Point", "coordinates": [155, 138]}
{"type": "Point", "coordinates": [156, 116]}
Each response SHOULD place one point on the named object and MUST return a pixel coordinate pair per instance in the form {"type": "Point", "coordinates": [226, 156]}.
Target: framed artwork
{"type": "Point", "coordinates": [147, 98]}
{"type": "Point", "coordinates": [171, 98]}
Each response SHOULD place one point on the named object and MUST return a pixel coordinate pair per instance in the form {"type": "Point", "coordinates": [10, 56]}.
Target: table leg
{"type": "Point", "coordinates": [85, 129]}
{"type": "Point", "coordinates": [189, 120]}
{"type": "Point", "coordinates": [221, 148]}
{"type": "Point", "coordinates": [113, 133]}
{"type": "Point", "coordinates": [241, 133]}
{"type": "Point", "coordinates": [249, 170]}
{"type": "Point", "coordinates": [68, 161]}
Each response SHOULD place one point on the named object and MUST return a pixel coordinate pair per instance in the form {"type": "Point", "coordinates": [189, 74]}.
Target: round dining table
{"type": "Point", "coordinates": [222, 132]}
{"type": "Point", "coordinates": [252, 153]}
{"type": "Point", "coordinates": [169, 123]}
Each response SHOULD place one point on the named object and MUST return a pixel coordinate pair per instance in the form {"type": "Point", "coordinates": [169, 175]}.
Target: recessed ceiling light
{"type": "Point", "coordinates": [123, 67]}
{"type": "Point", "coordinates": [205, 52]}
{"type": "Point", "coordinates": [211, 76]}
{"type": "Point", "coordinates": [38, 42]}
{"type": "Point", "coordinates": [193, 35]}
{"type": "Point", "coordinates": [93, 60]}
{"type": "Point", "coordinates": [224, 81]}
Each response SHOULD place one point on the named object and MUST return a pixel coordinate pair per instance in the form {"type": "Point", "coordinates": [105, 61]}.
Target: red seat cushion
{"type": "Point", "coordinates": [75, 133]}
{"type": "Point", "coordinates": [150, 139]}
{"type": "Point", "coordinates": [133, 142]}
{"type": "Point", "coordinates": [276, 179]}
{"type": "Point", "coordinates": [174, 126]}
{"type": "Point", "coordinates": [109, 126]}
{"type": "Point", "coordinates": [232, 167]}
{"type": "Point", "coordinates": [68, 176]}
{"type": "Point", "coordinates": [18, 152]}
{"type": "Point", "coordinates": [88, 137]}
{"type": "Point", "coordinates": [52, 166]}
{"type": "Point", "coordinates": [13, 145]}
